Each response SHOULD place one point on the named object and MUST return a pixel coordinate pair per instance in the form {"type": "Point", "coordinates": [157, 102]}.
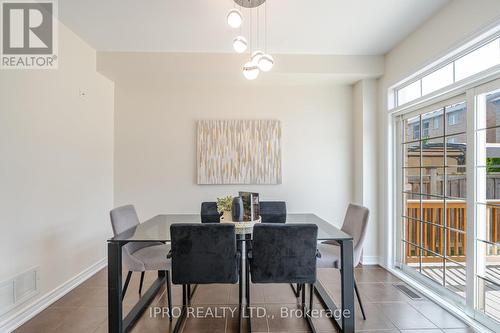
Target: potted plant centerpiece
{"type": "Point", "coordinates": [224, 206]}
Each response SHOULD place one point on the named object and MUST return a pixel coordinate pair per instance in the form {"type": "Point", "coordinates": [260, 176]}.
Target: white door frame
{"type": "Point", "coordinates": [470, 91]}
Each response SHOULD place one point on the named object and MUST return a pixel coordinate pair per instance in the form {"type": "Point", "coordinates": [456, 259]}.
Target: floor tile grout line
{"type": "Point", "coordinates": [429, 319]}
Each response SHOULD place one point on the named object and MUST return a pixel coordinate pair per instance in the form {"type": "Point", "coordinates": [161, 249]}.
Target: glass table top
{"type": "Point", "coordinates": [158, 228]}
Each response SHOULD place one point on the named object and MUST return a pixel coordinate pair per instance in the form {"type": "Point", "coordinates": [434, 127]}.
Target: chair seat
{"type": "Point", "coordinates": [330, 256]}
{"type": "Point", "coordinates": [153, 258]}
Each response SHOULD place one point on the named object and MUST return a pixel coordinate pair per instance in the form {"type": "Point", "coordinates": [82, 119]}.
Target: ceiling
{"type": "Point", "coordinates": [361, 27]}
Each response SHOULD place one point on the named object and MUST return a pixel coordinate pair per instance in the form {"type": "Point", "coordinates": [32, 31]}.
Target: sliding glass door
{"type": "Point", "coordinates": [487, 203]}
{"type": "Point", "coordinates": [448, 158]}
{"type": "Point", "coordinates": [434, 192]}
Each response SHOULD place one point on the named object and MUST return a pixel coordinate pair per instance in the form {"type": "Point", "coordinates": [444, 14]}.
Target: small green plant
{"type": "Point", "coordinates": [224, 204]}
{"type": "Point", "coordinates": [493, 164]}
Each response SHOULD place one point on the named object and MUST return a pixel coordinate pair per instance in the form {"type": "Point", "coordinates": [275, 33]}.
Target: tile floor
{"type": "Point", "coordinates": [84, 309]}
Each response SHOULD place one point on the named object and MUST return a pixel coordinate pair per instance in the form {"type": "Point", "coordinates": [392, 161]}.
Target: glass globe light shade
{"type": "Point", "coordinates": [240, 44]}
{"type": "Point", "coordinates": [234, 18]}
{"type": "Point", "coordinates": [250, 71]}
{"type": "Point", "coordinates": [266, 63]}
{"type": "Point", "coordinates": [256, 55]}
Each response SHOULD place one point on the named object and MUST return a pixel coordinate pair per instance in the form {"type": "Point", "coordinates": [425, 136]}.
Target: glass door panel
{"type": "Point", "coordinates": [434, 192]}
{"type": "Point", "coordinates": [450, 215]}
{"type": "Point", "coordinates": [487, 242]}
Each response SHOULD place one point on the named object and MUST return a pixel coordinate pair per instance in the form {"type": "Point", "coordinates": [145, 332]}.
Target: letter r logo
{"type": "Point", "coordinates": [27, 27]}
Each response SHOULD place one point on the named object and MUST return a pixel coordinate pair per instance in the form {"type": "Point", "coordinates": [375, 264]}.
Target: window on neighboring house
{"type": "Point", "coordinates": [452, 119]}
{"type": "Point", "coordinates": [436, 123]}
{"type": "Point", "coordinates": [416, 132]}
{"type": "Point", "coordinates": [425, 130]}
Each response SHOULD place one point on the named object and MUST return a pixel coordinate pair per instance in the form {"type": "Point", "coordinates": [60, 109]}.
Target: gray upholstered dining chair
{"type": "Point", "coordinates": [203, 254]}
{"type": "Point", "coordinates": [273, 211]}
{"type": "Point", "coordinates": [140, 256]}
{"type": "Point", "coordinates": [284, 253]}
{"type": "Point", "coordinates": [209, 213]}
{"type": "Point", "coordinates": [355, 223]}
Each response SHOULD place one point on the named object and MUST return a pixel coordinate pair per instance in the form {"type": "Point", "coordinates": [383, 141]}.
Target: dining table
{"type": "Point", "coordinates": [157, 229]}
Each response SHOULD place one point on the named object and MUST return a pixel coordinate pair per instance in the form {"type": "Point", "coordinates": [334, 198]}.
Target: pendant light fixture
{"type": "Point", "coordinates": [259, 60]}
{"type": "Point", "coordinates": [240, 44]}
{"type": "Point", "coordinates": [266, 63]}
{"type": "Point", "coordinates": [250, 71]}
{"type": "Point", "coordinates": [234, 18]}
{"type": "Point", "coordinates": [256, 56]}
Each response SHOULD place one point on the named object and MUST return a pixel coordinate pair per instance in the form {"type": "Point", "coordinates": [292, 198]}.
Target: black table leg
{"type": "Point", "coordinates": [346, 322]}
{"type": "Point", "coordinates": [115, 310]}
{"type": "Point", "coordinates": [347, 282]}
{"type": "Point", "coordinates": [116, 323]}
{"type": "Point", "coordinates": [308, 308]}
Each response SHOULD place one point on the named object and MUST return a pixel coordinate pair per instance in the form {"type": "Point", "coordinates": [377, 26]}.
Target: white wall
{"type": "Point", "coordinates": [155, 140]}
{"type": "Point", "coordinates": [365, 163]}
{"type": "Point", "coordinates": [56, 166]}
{"type": "Point", "coordinates": [449, 28]}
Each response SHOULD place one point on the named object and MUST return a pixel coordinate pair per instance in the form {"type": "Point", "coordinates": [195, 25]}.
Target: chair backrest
{"type": "Point", "coordinates": [122, 219]}
{"type": "Point", "coordinates": [284, 253]}
{"type": "Point", "coordinates": [273, 211]}
{"type": "Point", "coordinates": [355, 224]}
{"type": "Point", "coordinates": [209, 213]}
{"type": "Point", "coordinates": [204, 253]}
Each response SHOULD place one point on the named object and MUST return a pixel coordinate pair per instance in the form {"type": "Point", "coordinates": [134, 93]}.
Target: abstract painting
{"type": "Point", "coordinates": [239, 152]}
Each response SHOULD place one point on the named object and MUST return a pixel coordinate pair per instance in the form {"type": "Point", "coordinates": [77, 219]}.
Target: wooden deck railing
{"type": "Point", "coordinates": [439, 240]}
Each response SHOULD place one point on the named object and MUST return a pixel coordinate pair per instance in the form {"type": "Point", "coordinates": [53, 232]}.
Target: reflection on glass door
{"type": "Point", "coordinates": [434, 194]}
{"type": "Point", "coordinates": [487, 273]}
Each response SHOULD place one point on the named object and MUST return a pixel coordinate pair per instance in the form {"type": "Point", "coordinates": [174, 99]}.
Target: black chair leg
{"type": "Point", "coordinates": [169, 296]}
{"type": "Point", "coordinates": [189, 292]}
{"type": "Point", "coordinates": [296, 290]}
{"type": "Point", "coordinates": [247, 283]}
{"type": "Point", "coordinates": [359, 300]}
{"type": "Point", "coordinates": [311, 293]}
{"type": "Point", "coordinates": [247, 294]}
{"type": "Point", "coordinates": [240, 285]}
{"type": "Point", "coordinates": [182, 317]}
{"type": "Point", "coordinates": [303, 288]}
{"type": "Point", "coordinates": [127, 281]}
{"type": "Point", "coordinates": [140, 284]}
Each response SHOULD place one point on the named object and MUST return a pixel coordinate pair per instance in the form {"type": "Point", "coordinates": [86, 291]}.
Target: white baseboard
{"type": "Point", "coordinates": [28, 311]}
{"type": "Point", "coordinates": [370, 260]}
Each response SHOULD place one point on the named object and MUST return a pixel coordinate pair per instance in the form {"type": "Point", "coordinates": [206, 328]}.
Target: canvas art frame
{"type": "Point", "coordinates": [239, 152]}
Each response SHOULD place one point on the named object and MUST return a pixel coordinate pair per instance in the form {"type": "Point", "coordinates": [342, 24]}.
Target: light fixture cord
{"type": "Point", "coordinates": [251, 31]}
{"type": "Point", "coordinates": [265, 26]}
{"type": "Point", "coordinates": [241, 25]}
{"type": "Point", "coordinates": [258, 30]}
